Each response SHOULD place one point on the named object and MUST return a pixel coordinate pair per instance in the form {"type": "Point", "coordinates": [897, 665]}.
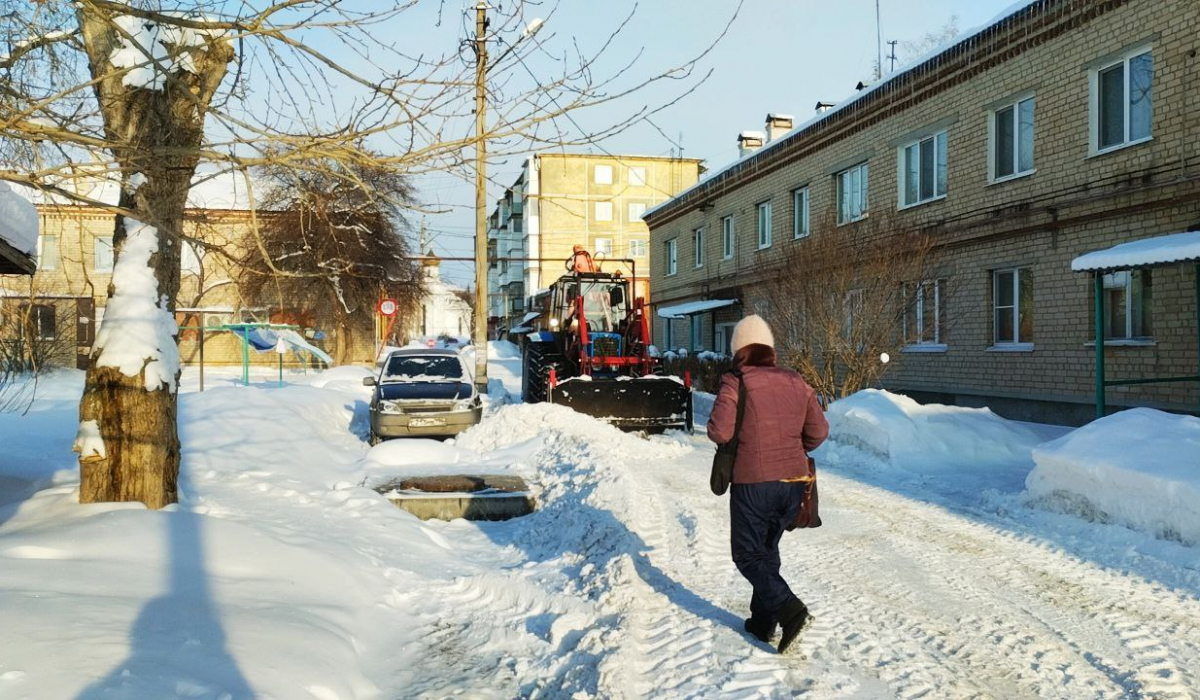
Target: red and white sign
{"type": "Point", "coordinates": [388, 307]}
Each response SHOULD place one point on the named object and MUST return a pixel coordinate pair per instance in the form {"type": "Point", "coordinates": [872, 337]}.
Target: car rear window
{"type": "Point", "coordinates": [430, 368]}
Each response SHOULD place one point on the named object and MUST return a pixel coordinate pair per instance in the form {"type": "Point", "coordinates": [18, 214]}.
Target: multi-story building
{"type": "Point", "coordinates": [1062, 128]}
{"type": "Point", "coordinates": [565, 199]}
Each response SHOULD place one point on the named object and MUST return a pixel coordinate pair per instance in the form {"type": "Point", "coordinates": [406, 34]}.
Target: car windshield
{"type": "Point", "coordinates": [597, 306]}
{"type": "Point", "coordinates": [426, 368]}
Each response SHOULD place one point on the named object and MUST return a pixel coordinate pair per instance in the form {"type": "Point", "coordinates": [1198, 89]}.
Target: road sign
{"type": "Point", "coordinates": [388, 307]}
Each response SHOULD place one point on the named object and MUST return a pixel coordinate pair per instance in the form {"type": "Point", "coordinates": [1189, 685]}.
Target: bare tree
{"type": "Point", "coordinates": [333, 241]}
{"type": "Point", "coordinates": [845, 298]}
{"type": "Point", "coordinates": [32, 344]}
{"type": "Point", "coordinates": [133, 95]}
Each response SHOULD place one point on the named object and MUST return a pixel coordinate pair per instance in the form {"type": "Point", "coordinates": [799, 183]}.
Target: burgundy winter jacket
{"type": "Point", "coordinates": [783, 422]}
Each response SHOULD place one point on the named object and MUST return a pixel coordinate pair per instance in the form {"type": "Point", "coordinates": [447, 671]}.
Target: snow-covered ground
{"type": "Point", "coordinates": [278, 575]}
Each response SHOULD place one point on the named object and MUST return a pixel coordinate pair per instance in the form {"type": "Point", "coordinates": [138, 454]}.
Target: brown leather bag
{"type": "Point", "coordinates": [808, 515]}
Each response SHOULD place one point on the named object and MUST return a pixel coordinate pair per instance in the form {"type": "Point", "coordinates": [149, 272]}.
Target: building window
{"type": "Point", "coordinates": [603, 174]}
{"type": "Point", "coordinates": [923, 313]}
{"type": "Point", "coordinates": [800, 225]}
{"type": "Point", "coordinates": [722, 342]}
{"type": "Point", "coordinates": [923, 170]}
{"type": "Point", "coordinates": [764, 225]}
{"type": "Point", "coordinates": [1012, 306]}
{"type": "Point", "coordinates": [604, 246]}
{"type": "Point", "coordinates": [104, 254]}
{"type": "Point", "coordinates": [47, 252]}
{"type": "Point", "coordinates": [637, 177]}
{"type": "Point", "coordinates": [190, 260]}
{"type": "Point", "coordinates": [1128, 296]}
{"type": "Point", "coordinates": [697, 333]}
{"type": "Point", "coordinates": [637, 248]}
{"type": "Point", "coordinates": [852, 194]}
{"type": "Point", "coordinates": [1012, 140]}
{"type": "Point", "coordinates": [603, 211]}
{"type": "Point", "coordinates": [1122, 104]}
{"type": "Point", "coordinates": [668, 334]}
{"type": "Point", "coordinates": [672, 261]}
{"type": "Point", "coordinates": [39, 322]}
{"type": "Point", "coordinates": [636, 209]}
{"type": "Point", "coordinates": [727, 237]}
{"type": "Point", "coordinates": [698, 246]}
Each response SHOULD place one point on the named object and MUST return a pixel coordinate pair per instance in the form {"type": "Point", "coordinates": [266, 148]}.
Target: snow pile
{"type": "Point", "coordinates": [1139, 468]}
{"type": "Point", "coordinates": [88, 442]}
{"type": "Point", "coordinates": [917, 436]}
{"type": "Point", "coordinates": [151, 51]}
{"type": "Point", "coordinates": [347, 377]}
{"type": "Point", "coordinates": [18, 221]}
{"type": "Point", "coordinates": [138, 332]}
{"type": "Point", "coordinates": [405, 458]}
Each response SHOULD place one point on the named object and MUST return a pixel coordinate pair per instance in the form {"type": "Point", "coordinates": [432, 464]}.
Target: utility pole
{"type": "Point", "coordinates": [892, 44]}
{"type": "Point", "coordinates": [481, 262]}
{"type": "Point", "coordinates": [878, 44]}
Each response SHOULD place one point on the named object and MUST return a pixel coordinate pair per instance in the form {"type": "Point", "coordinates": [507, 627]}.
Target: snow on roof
{"type": "Point", "coordinates": [853, 99]}
{"type": "Point", "coordinates": [530, 316]}
{"type": "Point", "coordinates": [18, 221]}
{"type": "Point", "coordinates": [751, 135]}
{"type": "Point", "coordinates": [1159, 250]}
{"type": "Point", "coordinates": [777, 115]}
{"type": "Point", "coordinates": [693, 307]}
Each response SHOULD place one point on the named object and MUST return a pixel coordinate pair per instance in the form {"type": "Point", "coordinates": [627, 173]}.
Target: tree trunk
{"type": "Point", "coordinates": [160, 131]}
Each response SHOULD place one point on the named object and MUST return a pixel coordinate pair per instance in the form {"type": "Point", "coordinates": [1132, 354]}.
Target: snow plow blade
{"type": "Point", "coordinates": [629, 404]}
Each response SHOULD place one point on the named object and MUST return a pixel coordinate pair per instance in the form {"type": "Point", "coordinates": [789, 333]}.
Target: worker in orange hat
{"type": "Point", "coordinates": [580, 260]}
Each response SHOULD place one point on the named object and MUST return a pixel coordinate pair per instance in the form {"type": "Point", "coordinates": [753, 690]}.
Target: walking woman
{"type": "Point", "coordinates": [781, 423]}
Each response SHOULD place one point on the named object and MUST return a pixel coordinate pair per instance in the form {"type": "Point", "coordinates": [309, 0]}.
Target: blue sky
{"type": "Point", "coordinates": [778, 56]}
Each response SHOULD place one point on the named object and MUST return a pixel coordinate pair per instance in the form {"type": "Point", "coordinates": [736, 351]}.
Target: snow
{"type": "Point", "coordinates": [1139, 468]}
{"type": "Point", "coordinates": [88, 442]}
{"type": "Point", "coordinates": [18, 221]}
{"type": "Point", "coordinates": [693, 307]}
{"type": "Point", "coordinates": [152, 51]}
{"type": "Point", "coordinates": [281, 574]}
{"type": "Point", "coordinates": [136, 180]}
{"type": "Point", "coordinates": [138, 333]}
{"type": "Point", "coordinates": [1158, 250]}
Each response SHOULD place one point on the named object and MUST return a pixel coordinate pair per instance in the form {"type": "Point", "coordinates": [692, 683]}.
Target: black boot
{"type": "Point", "coordinates": [793, 617]}
{"type": "Point", "coordinates": [761, 629]}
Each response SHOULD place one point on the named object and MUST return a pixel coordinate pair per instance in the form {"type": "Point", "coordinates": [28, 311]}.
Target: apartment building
{"type": "Point", "coordinates": [1064, 127]}
{"type": "Point", "coordinates": [564, 199]}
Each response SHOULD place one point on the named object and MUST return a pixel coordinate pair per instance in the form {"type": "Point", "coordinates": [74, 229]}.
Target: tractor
{"type": "Point", "coordinates": [593, 355]}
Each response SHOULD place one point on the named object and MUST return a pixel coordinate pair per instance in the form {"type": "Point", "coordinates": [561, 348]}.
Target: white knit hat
{"type": "Point", "coordinates": [749, 331]}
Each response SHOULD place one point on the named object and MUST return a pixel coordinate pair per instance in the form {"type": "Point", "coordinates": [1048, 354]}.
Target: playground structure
{"type": "Point", "coordinates": [263, 337]}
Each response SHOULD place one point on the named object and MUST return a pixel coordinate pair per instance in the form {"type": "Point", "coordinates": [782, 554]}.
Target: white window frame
{"type": "Point", "coordinates": [728, 240]}
{"type": "Point", "coordinates": [1017, 343]}
{"type": "Point", "coordinates": [603, 174]}
{"type": "Point", "coordinates": [603, 211]}
{"type": "Point", "coordinates": [764, 224]}
{"type": "Point", "coordinates": [672, 257]}
{"type": "Point", "coordinates": [1127, 285]}
{"type": "Point", "coordinates": [1094, 124]}
{"type": "Point", "coordinates": [864, 172]}
{"type": "Point", "coordinates": [723, 337]}
{"type": "Point", "coordinates": [189, 258]}
{"type": "Point", "coordinates": [636, 217]}
{"type": "Point", "coordinates": [47, 260]}
{"type": "Point", "coordinates": [637, 247]}
{"type": "Point", "coordinates": [801, 224]}
{"type": "Point", "coordinates": [637, 176]}
{"type": "Point", "coordinates": [106, 241]}
{"type": "Point", "coordinates": [604, 246]}
{"type": "Point", "coordinates": [916, 312]}
{"type": "Point", "coordinates": [698, 246]}
{"type": "Point", "coordinates": [697, 333]}
{"type": "Point", "coordinates": [994, 139]}
{"type": "Point", "coordinates": [940, 141]}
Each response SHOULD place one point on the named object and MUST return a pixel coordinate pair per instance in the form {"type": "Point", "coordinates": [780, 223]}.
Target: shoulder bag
{"type": "Point", "coordinates": [808, 515]}
{"type": "Point", "coordinates": [722, 466]}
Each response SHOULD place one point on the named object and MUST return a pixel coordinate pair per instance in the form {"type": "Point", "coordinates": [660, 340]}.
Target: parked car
{"type": "Point", "coordinates": [422, 393]}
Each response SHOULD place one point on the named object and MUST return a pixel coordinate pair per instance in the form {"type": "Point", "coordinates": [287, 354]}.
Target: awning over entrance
{"type": "Point", "coordinates": [694, 307]}
{"type": "Point", "coordinates": [530, 316]}
{"type": "Point", "coordinates": [1174, 249]}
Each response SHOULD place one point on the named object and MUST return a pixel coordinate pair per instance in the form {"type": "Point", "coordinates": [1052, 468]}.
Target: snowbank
{"type": "Point", "coordinates": [917, 436]}
{"type": "Point", "coordinates": [1139, 468]}
{"type": "Point", "coordinates": [18, 221]}
{"type": "Point", "coordinates": [419, 457]}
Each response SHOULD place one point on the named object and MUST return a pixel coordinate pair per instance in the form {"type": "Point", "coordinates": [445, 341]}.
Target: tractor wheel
{"type": "Point", "coordinates": [536, 364]}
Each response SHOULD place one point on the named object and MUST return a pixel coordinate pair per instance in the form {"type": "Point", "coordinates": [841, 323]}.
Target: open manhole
{"type": "Point", "coordinates": [460, 496]}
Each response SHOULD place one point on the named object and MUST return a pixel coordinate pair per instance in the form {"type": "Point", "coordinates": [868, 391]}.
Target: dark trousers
{"type": "Point", "coordinates": [758, 514]}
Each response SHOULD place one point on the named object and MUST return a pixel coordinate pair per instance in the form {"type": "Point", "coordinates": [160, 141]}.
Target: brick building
{"type": "Point", "coordinates": [563, 199]}
{"type": "Point", "coordinates": [64, 299]}
{"type": "Point", "coordinates": [1064, 127]}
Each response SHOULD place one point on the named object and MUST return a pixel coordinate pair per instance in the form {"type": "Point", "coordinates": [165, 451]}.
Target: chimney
{"type": "Point", "coordinates": [778, 125]}
{"type": "Point", "coordinates": [823, 107]}
{"type": "Point", "coordinates": [749, 142]}
{"type": "Point", "coordinates": [862, 85]}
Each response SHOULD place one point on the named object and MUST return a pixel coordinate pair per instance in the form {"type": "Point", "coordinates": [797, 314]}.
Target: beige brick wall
{"type": "Point", "coordinates": [1073, 202]}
